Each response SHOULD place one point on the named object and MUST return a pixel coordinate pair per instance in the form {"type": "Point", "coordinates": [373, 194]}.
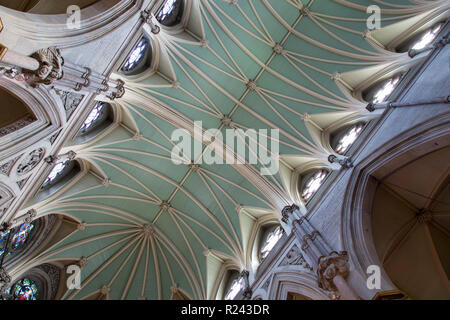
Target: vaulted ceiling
{"type": "Point", "coordinates": [155, 225]}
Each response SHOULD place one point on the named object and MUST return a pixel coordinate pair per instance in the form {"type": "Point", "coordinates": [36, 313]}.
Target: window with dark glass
{"type": "Point", "coordinates": [421, 40]}
{"type": "Point", "coordinates": [100, 117]}
{"type": "Point", "coordinates": [170, 13]}
{"type": "Point", "coordinates": [344, 138]}
{"type": "Point", "coordinates": [139, 58]}
{"type": "Point", "coordinates": [311, 182]}
{"type": "Point", "coordinates": [269, 239]}
{"type": "Point", "coordinates": [234, 284]}
{"type": "Point", "coordinates": [380, 91]}
{"type": "Point", "coordinates": [61, 172]}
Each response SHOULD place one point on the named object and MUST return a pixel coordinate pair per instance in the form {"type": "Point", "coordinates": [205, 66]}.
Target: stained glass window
{"type": "Point", "coordinates": [19, 238]}
{"type": "Point", "coordinates": [313, 184]}
{"type": "Point", "coordinates": [93, 117]}
{"type": "Point", "coordinates": [136, 56]}
{"type": "Point", "coordinates": [24, 289]}
{"type": "Point", "coordinates": [270, 241]}
{"type": "Point", "coordinates": [170, 12]}
{"type": "Point", "coordinates": [236, 286]}
{"type": "Point", "coordinates": [349, 138]}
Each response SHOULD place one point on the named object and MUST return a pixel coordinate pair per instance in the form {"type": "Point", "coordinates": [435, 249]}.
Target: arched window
{"type": "Point", "coordinates": [170, 13]}
{"type": "Point", "coordinates": [269, 239]}
{"type": "Point", "coordinates": [100, 117]}
{"type": "Point", "coordinates": [343, 139]}
{"type": "Point", "coordinates": [17, 239]}
{"type": "Point", "coordinates": [311, 182]}
{"type": "Point", "coordinates": [235, 283]}
{"type": "Point", "coordinates": [422, 39]}
{"type": "Point", "coordinates": [139, 58]}
{"type": "Point", "coordinates": [24, 289]}
{"type": "Point", "coordinates": [61, 171]}
{"type": "Point", "coordinates": [381, 90]}
{"type": "Point", "coordinates": [39, 283]}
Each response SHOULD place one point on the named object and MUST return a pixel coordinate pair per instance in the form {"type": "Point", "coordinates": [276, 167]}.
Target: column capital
{"type": "Point", "coordinates": [287, 211]}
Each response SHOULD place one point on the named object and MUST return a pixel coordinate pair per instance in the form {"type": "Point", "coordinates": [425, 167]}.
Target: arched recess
{"type": "Point", "coordinates": [289, 283]}
{"type": "Point", "coordinates": [185, 16]}
{"type": "Point", "coordinates": [253, 222]}
{"type": "Point", "coordinates": [395, 175]}
{"type": "Point", "coordinates": [390, 37]}
{"type": "Point", "coordinates": [41, 232]}
{"type": "Point", "coordinates": [13, 111]}
{"type": "Point", "coordinates": [85, 175]}
{"type": "Point", "coordinates": [47, 116]}
{"type": "Point", "coordinates": [97, 19]}
{"type": "Point", "coordinates": [158, 70]}
{"type": "Point", "coordinates": [161, 72]}
{"type": "Point", "coordinates": [45, 280]}
{"type": "Point", "coordinates": [218, 271]}
{"type": "Point", "coordinates": [411, 225]}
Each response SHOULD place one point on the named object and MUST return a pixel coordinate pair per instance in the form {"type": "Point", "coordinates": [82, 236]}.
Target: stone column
{"type": "Point", "coordinates": [48, 67]}
{"type": "Point", "coordinates": [19, 60]}
{"type": "Point", "coordinates": [331, 267]}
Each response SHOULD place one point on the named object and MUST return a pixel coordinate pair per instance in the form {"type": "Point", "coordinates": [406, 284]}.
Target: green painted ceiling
{"type": "Point", "coordinates": [212, 82]}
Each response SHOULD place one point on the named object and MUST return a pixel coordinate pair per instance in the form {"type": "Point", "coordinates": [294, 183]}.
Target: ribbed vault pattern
{"type": "Point", "coordinates": [154, 225]}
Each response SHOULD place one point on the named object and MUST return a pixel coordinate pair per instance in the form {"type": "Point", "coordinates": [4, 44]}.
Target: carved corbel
{"type": "Point", "coordinates": [51, 67]}
{"type": "Point", "coordinates": [336, 264]}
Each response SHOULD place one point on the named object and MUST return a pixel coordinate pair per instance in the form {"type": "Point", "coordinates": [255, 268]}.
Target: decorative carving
{"type": "Point", "coordinates": [12, 73]}
{"type": "Point", "coordinates": [51, 67]}
{"type": "Point", "coordinates": [226, 121]}
{"type": "Point", "coordinates": [20, 124]}
{"type": "Point", "coordinates": [6, 167]}
{"type": "Point", "coordinates": [30, 215]}
{"type": "Point", "coordinates": [148, 229]}
{"type": "Point", "coordinates": [30, 161]}
{"type": "Point", "coordinates": [331, 266]}
{"type": "Point", "coordinates": [147, 17]}
{"type": "Point", "coordinates": [165, 205]}
{"type": "Point", "coordinates": [119, 91]}
{"type": "Point", "coordinates": [424, 216]}
{"type": "Point", "coordinates": [287, 211]}
{"type": "Point", "coordinates": [21, 183]}
{"type": "Point", "coordinates": [278, 48]}
{"type": "Point", "coordinates": [83, 262]}
{"type": "Point", "coordinates": [71, 101]}
{"type": "Point", "coordinates": [251, 85]}
{"type": "Point", "coordinates": [53, 137]}
{"type": "Point", "coordinates": [294, 258]}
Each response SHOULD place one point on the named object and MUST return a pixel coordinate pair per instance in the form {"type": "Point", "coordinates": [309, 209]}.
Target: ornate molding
{"type": "Point", "coordinates": [30, 161]}
{"type": "Point", "coordinates": [287, 211]}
